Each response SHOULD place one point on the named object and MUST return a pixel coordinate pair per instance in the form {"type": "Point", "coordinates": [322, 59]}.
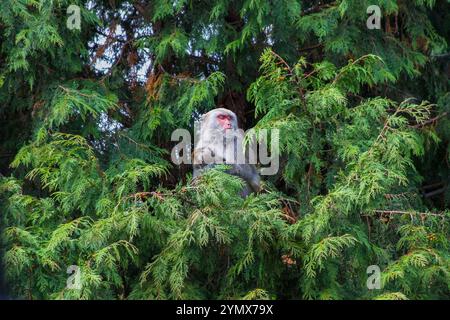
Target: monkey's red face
{"type": "Point", "coordinates": [225, 121]}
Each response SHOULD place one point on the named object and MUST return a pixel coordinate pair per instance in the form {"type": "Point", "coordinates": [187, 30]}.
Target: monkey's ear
{"type": "Point", "coordinates": [202, 118]}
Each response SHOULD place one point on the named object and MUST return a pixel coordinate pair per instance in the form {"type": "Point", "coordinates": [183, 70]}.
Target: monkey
{"type": "Point", "coordinates": [221, 141]}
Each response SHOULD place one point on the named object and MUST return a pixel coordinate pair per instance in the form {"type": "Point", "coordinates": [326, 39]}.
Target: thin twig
{"type": "Point", "coordinates": [432, 120]}
{"type": "Point", "coordinates": [408, 212]}
{"type": "Point", "coordinates": [283, 61]}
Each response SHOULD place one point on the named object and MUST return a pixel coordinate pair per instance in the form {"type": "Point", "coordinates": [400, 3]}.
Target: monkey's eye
{"type": "Point", "coordinates": [222, 117]}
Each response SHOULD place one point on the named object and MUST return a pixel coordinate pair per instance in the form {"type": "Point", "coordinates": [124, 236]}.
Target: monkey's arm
{"type": "Point", "coordinates": [204, 159]}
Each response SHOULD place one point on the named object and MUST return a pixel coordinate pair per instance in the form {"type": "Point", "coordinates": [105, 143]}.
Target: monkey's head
{"type": "Point", "coordinates": [219, 119]}
{"type": "Point", "coordinates": [218, 133]}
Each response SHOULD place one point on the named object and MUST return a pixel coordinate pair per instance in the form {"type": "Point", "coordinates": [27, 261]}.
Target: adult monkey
{"type": "Point", "coordinates": [221, 141]}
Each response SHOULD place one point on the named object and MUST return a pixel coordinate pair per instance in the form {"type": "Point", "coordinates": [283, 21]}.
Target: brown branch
{"type": "Point", "coordinates": [435, 192]}
{"type": "Point", "coordinates": [432, 120]}
{"type": "Point", "coordinates": [282, 61]}
{"type": "Point", "coordinates": [343, 70]}
{"type": "Point", "coordinates": [433, 185]}
{"type": "Point", "coordinates": [143, 11]}
{"type": "Point", "coordinates": [144, 195]}
{"type": "Point", "coordinates": [289, 218]}
{"type": "Point", "coordinates": [311, 48]}
{"type": "Point", "coordinates": [319, 8]}
{"type": "Point", "coordinates": [69, 91]}
{"type": "Point", "coordinates": [204, 59]}
{"type": "Point", "coordinates": [396, 195]}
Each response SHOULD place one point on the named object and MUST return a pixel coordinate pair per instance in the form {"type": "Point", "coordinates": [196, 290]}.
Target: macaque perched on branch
{"type": "Point", "coordinates": [221, 142]}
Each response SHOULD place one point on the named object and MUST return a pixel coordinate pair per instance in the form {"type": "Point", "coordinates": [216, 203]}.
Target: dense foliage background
{"type": "Point", "coordinates": [86, 179]}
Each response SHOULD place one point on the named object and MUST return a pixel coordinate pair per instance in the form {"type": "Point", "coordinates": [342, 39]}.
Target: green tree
{"type": "Point", "coordinates": [86, 178]}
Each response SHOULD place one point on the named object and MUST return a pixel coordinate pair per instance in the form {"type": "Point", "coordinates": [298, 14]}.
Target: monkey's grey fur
{"type": "Point", "coordinates": [210, 150]}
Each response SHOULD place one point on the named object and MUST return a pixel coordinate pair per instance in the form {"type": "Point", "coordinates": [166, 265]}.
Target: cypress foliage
{"type": "Point", "coordinates": [86, 118]}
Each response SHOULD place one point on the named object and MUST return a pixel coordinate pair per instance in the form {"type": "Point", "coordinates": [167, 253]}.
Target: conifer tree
{"type": "Point", "coordinates": [86, 117]}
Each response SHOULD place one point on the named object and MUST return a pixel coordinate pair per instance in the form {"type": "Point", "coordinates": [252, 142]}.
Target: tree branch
{"type": "Point", "coordinates": [408, 212]}
{"type": "Point", "coordinates": [432, 120]}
